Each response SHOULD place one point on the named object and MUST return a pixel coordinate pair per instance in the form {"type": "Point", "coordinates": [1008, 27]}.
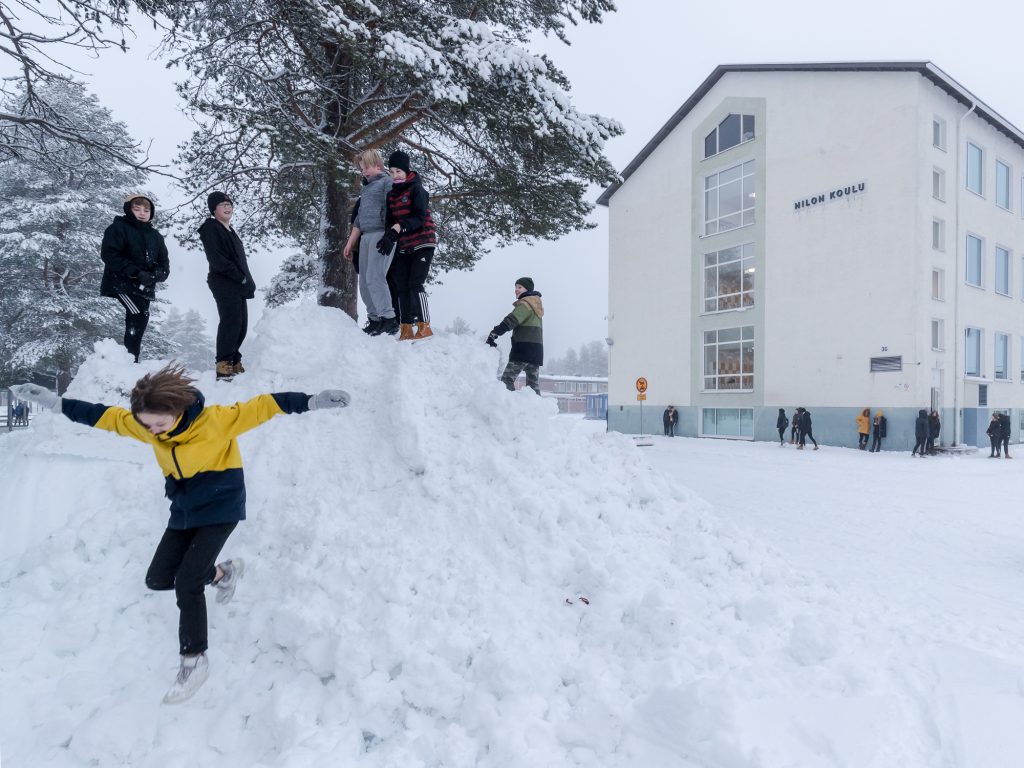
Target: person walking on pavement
{"type": "Point", "coordinates": [230, 282]}
{"type": "Point", "coordinates": [134, 261]}
{"type": "Point", "coordinates": [794, 427]}
{"type": "Point", "coordinates": [411, 237]}
{"type": "Point", "coordinates": [878, 429]}
{"type": "Point", "coordinates": [780, 424]}
{"type": "Point", "coordinates": [368, 225]}
{"type": "Point", "coordinates": [806, 428]}
{"type": "Point", "coordinates": [863, 428]}
{"type": "Point", "coordinates": [196, 447]}
{"type": "Point", "coordinates": [527, 325]}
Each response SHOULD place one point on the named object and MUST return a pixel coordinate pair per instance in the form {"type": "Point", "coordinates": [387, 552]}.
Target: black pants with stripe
{"type": "Point", "coordinates": [232, 327]}
{"type": "Point", "coordinates": [136, 318]}
{"type": "Point", "coordinates": [186, 561]}
{"type": "Point", "coordinates": [408, 274]}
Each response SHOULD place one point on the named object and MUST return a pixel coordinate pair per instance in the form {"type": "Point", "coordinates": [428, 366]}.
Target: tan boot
{"type": "Point", "coordinates": [238, 367]}
{"type": "Point", "coordinates": [405, 332]}
{"type": "Point", "coordinates": [225, 371]}
{"type": "Point", "coordinates": [423, 332]}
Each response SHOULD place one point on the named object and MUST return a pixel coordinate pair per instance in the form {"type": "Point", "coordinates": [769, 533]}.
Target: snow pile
{"type": "Point", "coordinates": [412, 596]}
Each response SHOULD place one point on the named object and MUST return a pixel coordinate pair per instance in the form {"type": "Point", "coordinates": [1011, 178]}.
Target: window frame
{"type": "Point", "coordinates": [939, 127]}
{"type": "Point", "coordinates": [939, 279]}
{"type": "Point", "coordinates": [718, 147]}
{"type": "Point", "coordinates": [1009, 271]}
{"type": "Point", "coordinates": [980, 192]}
{"type": "Point", "coordinates": [938, 184]}
{"type": "Point", "coordinates": [998, 336]}
{"type": "Point", "coordinates": [742, 211]}
{"type": "Point", "coordinates": [981, 352]}
{"type": "Point", "coordinates": [746, 266]}
{"type": "Point", "coordinates": [739, 420]}
{"type": "Point", "coordinates": [938, 234]}
{"type": "Point", "coordinates": [1009, 185]}
{"type": "Point", "coordinates": [981, 261]}
{"type": "Point", "coordinates": [938, 330]}
{"type": "Point", "coordinates": [741, 374]}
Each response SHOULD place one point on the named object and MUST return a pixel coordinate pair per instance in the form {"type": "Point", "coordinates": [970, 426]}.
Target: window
{"type": "Point", "coordinates": [729, 198]}
{"type": "Point", "coordinates": [729, 358]}
{"type": "Point", "coordinates": [727, 422]}
{"type": "Point", "coordinates": [939, 284]}
{"type": "Point", "coordinates": [937, 341]}
{"type": "Point", "coordinates": [939, 133]}
{"type": "Point", "coordinates": [972, 353]}
{"type": "Point", "coordinates": [939, 234]}
{"type": "Point", "coordinates": [1001, 360]}
{"type": "Point", "coordinates": [729, 278]}
{"type": "Point", "coordinates": [1002, 185]}
{"type": "Point", "coordinates": [1002, 271]}
{"type": "Point", "coordinates": [983, 395]}
{"type": "Point", "coordinates": [975, 180]}
{"type": "Point", "coordinates": [974, 249]}
{"type": "Point", "coordinates": [887, 364]}
{"type": "Point", "coordinates": [732, 131]}
{"type": "Point", "coordinates": [938, 184]}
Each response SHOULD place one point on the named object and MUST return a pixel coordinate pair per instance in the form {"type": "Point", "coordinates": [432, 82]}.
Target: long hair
{"type": "Point", "coordinates": [168, 390]}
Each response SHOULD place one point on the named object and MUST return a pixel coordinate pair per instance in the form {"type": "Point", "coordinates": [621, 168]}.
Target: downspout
{"type": "Point", "coordinates": [957, 379]}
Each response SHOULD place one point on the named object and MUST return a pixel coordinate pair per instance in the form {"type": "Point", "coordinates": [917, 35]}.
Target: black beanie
{"type": "Point", "coordinates": [526, 282]}
{"type": "Point", "coordinates": [215, 199]}
{"type": "Point", "coordinates": [399, 160]}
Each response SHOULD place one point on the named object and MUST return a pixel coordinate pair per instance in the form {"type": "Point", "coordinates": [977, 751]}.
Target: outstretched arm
{"type": "Point", "coordinates": [241, 417]}
{"type": "Point", "coordinates": [110, 418]}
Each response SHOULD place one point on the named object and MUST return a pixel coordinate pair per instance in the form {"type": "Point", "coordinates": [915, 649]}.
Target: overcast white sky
{"type": "Point", "coordinates": [638, 67]}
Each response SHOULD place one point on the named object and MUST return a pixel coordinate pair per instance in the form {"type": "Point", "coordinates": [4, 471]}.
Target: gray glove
{"type": "Point", "coordinates": [329, 398]}
{"type": "Point", "coordinates": [38, 395]}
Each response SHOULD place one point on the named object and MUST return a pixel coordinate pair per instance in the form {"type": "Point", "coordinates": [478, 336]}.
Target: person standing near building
{"type": "Point", "coordinates": [1004, 433]}
{"type": "Point", "coordinates": [527, 326]}
{"type": "Point", "coordinates": [134, 261]}
{"type": "Point", "coordinates": [878, 426]}
{"type": "Point", "coordinates": [794, 427]}
{"type": "Point", "coordinates": [780, 424]}
{"type": "Point", "coordinates": [863, 428]}
{"type": "Point", "coordinates": [197, 449]}
{"type": "Point", "coordinates": [411, 237]}
{"type": "Point", "coordinates": [669, 419]}
{"type": "Point", "coordinates": [921, 430]}
{"type": "Point", "coordinates": [934, 430]}
{"type": "Point", "coordinates": [230, 282]}
{"type": "Point", "coordinates": [368, 225]}
{"type": "Point", "coordinates": [806, 428]}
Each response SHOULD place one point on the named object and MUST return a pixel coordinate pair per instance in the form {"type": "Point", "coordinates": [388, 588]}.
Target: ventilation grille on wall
{"type": "Point", "coordinates": [885, 364]}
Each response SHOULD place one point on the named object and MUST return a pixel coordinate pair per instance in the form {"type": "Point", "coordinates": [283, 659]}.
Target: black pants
{"type": "Point", "coordinates": [232, 327]}
{"type": "Point", "coordinates": [670, 430]}
{"type": "Point", "coordinates": [1006, 446]}
{"type": "Point", "coordinates": [792, 434]}
{"type": "Point", "coordinates": [408, 274]}
{"type": "Point", "coordinates": [804, 434]}
{"type": "Point", "coordinates": [862, 439]}
{"type": "Point", "coordinates": [876, 443]}
{"type": "Point", "coordinates": [919, 445]}
{"type": "Point", "coordinates": [186, 561]}
{"type": "Point", "coordinates": [136, 318]}
{"type": "Point", "coordinates": [782, 434]}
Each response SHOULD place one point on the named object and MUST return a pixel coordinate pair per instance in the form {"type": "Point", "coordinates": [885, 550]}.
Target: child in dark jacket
{"type": "Point", "coordinates": [526, 321]}
{"type": "Point", "coordinates": [197, 450]}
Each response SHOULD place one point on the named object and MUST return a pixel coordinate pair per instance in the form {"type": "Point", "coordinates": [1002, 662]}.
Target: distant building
{"type": "Point", "coordinates": [570, 391]}
{"type": "Point", "coordinates": [835, 236]}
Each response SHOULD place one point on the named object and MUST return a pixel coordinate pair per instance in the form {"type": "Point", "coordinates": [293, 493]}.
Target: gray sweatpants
{"type": "Point", "coordinates": [373, 277]}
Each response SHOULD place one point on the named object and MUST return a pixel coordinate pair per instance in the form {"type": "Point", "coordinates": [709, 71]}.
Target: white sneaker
{"type": "Point", "coordinates": [233, 570]}
{"type": "Point", "coordinates": [191, 675]}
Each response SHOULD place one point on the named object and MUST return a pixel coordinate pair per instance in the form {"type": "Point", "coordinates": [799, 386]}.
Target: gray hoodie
{"type": "Point", "coordinates": [373, 204]}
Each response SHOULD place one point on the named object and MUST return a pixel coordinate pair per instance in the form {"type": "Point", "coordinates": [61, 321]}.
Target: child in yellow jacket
{"type": "Point", "coordinates": [197, 450]}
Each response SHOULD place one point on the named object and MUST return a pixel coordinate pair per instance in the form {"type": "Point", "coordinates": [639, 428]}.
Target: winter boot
{"type": "Point", "coordinates": [423, 332]}
{"type": "Point", "coordinates": [405, 332]}
{"type": "Point", "coordinates": [233, 570]}
{"type": "Point", "coordinates": [388, 326]}
{"type": "Point", "coordinates": [191, 675]}
{"type": "Point", "coordinates": [372, 326]}
{"type": "Point", "coordinates": [225, 370]}
{"type": "Point", "coordinates": [239, 368]}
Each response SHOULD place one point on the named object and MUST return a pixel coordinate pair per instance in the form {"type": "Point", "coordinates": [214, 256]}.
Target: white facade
{"type": "Point", "coordinates": [889, 268]}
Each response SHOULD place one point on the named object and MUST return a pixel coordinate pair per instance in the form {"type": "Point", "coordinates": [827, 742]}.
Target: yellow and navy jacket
{"type": "Point", "coordinates": [199, 455]}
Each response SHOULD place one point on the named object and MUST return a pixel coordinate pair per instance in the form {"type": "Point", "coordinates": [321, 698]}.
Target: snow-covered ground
{"type": "Point", "coordinates": [415, 568]}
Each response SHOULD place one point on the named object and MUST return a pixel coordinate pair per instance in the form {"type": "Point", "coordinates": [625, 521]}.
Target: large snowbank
{"type": "Point", "coordinates": [415, 563]}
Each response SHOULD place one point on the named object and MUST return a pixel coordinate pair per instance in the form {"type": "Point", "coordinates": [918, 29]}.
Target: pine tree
{"type": "Point", "coordinates": [459, 327]}
{"type": "Point", "coordinates": [289, 91]}
{"type": "Point", "coordinates": [183, 337]}
{"type": "Point", "coordinates": [55, 203]}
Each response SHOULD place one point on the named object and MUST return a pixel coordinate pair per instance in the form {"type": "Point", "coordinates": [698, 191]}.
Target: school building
{"type": "Point", "coordinates": [834, 236]}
